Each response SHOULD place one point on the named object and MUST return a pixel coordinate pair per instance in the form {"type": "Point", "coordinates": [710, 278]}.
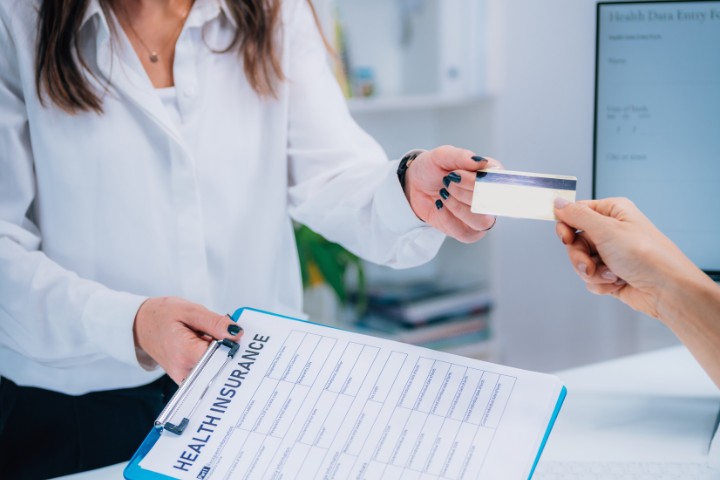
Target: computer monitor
{"type": "Point", "coordinates": [657, 117]}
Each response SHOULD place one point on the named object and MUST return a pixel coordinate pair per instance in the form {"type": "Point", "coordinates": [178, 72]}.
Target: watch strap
{"type": "Point", "coordinates": [405, 162]}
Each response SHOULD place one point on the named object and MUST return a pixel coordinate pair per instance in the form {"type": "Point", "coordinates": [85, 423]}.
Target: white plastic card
{"type": "Point", "coordinates": [520, 194]}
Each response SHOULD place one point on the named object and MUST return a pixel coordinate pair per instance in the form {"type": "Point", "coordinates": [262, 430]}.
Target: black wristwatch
{"type": "Point", "coordinates": [405, 164]}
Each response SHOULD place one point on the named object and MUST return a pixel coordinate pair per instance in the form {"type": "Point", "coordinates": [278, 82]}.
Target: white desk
{"type": "Point", "coordinates": [657, 406]}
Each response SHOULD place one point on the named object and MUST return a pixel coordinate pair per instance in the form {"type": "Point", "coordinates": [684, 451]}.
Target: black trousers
{"type": "Point", "coordinates": [45, 434]}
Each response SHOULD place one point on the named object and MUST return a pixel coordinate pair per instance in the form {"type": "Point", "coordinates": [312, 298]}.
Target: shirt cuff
{"type": "Point", "coordinates": [108, 318]}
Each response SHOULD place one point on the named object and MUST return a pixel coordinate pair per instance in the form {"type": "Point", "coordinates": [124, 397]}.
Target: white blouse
{"type": "Point", "coordinates": [169, 100]}
{"type": "Point", "coordinates": [99, 212]}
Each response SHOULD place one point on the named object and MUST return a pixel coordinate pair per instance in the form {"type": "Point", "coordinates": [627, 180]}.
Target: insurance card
{"type": "Point", "coordinates": [520, 194]}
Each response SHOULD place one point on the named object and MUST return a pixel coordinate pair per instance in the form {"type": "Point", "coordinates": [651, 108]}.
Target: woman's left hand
{"type": "Point", "coordinates": [439, 185]}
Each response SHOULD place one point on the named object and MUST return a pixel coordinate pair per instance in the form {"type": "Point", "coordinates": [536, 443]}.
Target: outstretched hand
{"type": "Point", "coordinates": [439, 186]}
{"type": "Point", "coordinates": [617, 251]}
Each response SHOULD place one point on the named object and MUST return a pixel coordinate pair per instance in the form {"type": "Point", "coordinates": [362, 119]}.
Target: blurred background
{"type": "Point", "coordinates": [511, 79]}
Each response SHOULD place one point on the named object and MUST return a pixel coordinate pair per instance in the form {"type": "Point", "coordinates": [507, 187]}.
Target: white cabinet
{"type": "Point", "coordinates": [416, 52]}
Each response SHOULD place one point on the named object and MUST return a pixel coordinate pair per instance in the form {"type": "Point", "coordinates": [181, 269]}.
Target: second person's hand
{"type": "Point", "coordinates": [617, 251]}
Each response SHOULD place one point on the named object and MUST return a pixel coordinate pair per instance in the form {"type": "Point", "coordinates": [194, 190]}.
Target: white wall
{"type": "Point", "coordinates": [541, 66]}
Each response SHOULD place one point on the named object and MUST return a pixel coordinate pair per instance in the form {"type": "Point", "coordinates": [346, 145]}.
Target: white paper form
{"type": "Point", "coordinates": [315, 402]}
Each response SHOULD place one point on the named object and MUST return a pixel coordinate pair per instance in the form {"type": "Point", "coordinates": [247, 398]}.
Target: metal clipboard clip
{"type": "Point", "coordinates": [187, 389]}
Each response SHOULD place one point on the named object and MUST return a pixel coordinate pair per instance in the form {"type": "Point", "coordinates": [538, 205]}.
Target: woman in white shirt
{"type": "Point", "coordinates": [153, 155]}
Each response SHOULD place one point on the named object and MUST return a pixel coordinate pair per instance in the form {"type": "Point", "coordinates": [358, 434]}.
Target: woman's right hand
{"type": "Point", "coordinates": [176, 333]}
{"type": "Point", "coordinates": [617, 251]}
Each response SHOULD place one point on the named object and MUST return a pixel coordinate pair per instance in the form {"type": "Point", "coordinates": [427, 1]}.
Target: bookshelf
{"type": "Point", "coordinates": [426, 62]}
{"type": "Point", "coordinates": [399, 103]}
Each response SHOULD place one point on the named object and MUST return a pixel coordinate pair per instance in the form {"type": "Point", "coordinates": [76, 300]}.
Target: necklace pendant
{"type": "Point", "coordinates": [154, 57]}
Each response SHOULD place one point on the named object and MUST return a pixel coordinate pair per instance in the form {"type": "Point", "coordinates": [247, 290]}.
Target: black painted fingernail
{"type": "Point", "coordinates": [446, 181]}
{"type": "Point", "coordinates": [478, 158]}
{"type": "Point", "coordinates": [454, 177]}
{"type": "Point", "coordinates": [444, 194]}
{"type": "Point", "coordinates": [438, 204]}
{"type": "Point", "coordinates": [234, 329]}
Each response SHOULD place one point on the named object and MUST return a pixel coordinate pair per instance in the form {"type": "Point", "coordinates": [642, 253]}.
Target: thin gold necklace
{"type": "Point", "coordinates": [153, 55]}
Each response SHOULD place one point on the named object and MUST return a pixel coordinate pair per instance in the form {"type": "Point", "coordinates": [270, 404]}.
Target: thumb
{"type": "Point", "coordinates": [216, 325]}
{"type": "Point", "coordinates": [579, 216]}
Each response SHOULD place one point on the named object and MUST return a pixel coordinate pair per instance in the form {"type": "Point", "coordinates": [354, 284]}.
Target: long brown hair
{"type": "Point", "coordinates": [61, 71]}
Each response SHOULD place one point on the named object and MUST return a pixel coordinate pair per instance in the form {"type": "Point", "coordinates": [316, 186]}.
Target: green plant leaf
{"type": "Point", "coordinates": [332, 271]}
{"type": "Point", "coordinates": [332, 261]}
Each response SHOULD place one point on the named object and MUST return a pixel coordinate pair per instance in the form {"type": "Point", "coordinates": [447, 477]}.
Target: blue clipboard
{"type": "Point", "coordinates": [134, 470]}
{"type": "Point", "coordinates": [551, 424]}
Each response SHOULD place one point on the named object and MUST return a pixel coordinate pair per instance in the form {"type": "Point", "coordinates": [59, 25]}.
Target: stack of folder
{"type": "Point", "coordinates": [426, 314]}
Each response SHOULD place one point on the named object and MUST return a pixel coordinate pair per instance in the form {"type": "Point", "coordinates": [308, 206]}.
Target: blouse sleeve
{"type": "Point", "coordinates": [341, 182]}
{"type": "Point", "coordinates": [47, 312]}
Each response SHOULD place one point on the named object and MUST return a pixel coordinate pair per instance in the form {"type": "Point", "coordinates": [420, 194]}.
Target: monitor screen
{"type": "Point", "coordinates": [657, 117]}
